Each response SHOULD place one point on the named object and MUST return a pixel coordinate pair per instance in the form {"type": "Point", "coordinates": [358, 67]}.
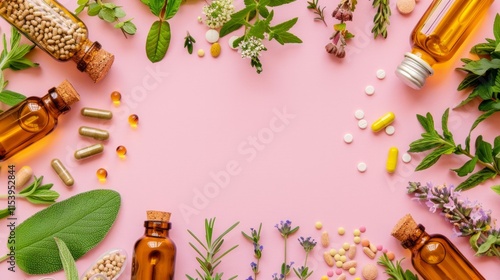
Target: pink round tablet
{"type": "Point", "coordinates": [329, 273]}
{"type": "Point", "coordinates": [338, 271]}
{"type": "Point", "coordinates": [362, 229]}
{"type": "Point", "coordinates": [384, 251]}
{"type": "Point", "coordinates": [379, 247]}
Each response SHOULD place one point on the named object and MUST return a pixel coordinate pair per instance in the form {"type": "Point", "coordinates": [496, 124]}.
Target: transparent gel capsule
{"type": "Point", "coordinates": [116, 97]}
{"type": "Point", "coordinates": [121, 151]}
{"type": "Point", "coordinates": [133, 120]}
{"type": "Point", "coordinates": [101, 174]}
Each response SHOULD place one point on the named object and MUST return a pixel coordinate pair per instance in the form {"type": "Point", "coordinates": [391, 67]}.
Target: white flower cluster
{"type": "Point", "coordinates": [218, 12]}
{"type": "Point", "coordinates": [251, 47]}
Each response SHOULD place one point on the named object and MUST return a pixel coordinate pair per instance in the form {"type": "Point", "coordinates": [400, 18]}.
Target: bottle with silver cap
{"type": "Point", "coordinates": [437, 37]}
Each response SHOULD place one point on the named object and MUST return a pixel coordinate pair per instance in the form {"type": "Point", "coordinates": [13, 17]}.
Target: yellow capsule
{"type": "Point", "coordinates": [383, 121]}
{"type": "Point", "coordinates": [97, 134]}
{"type": "Point", "coordinates": [96, 113]}
{"type": "Point", "coordinates": [62, 172]}
{"type": "Point", "coordinates": [102, 174]}
{"type": "Point", "coordinates": [89, 151]}
{"type": "Point", "coordinates": [392, 160]}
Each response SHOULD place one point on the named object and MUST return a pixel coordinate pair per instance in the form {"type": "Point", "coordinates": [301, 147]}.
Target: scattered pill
{"type": "Point", "coordinates": [337, 257]}
{"type": "Point", "coordinates": [338, 271]}
{"type": "Point", "coordinates": [212, 36]}
{"type": "Point", "coordinates": [333, 252]}
{"type": "Point", "coordinates": [369, 90]}
{"type": "Point", "coordinates": [116, 97]}
{"type": "Point", "coordinates": [352, 252]}
{"type": "Point", "coordinates": [121, 151]}
{"type": "Point", "coordinates": [101, 174]}
{"type": "Point", "coordinates": [341, 251]}
{"type": "Point", "coordinates": [96, 113]}
{"type": "Point", "coordinates": [365, 242]}
{"type": "Point", "coordinates": [215, 49]}
{"type": "Point", "coordinates": [339, 263]}
{"type": "Point", "coordinates": [349, 264]}
{"type": "Point", "coordinates": [329, 272]}
{"type": "Point", "coordinates": [362, 167]}
{"type": "Point", "coordinates": [199, 19]}
{"type": "Point", "coordinates": [405, 6]}
{"type": "Point", "coordinates": [325, 239]}
{"type": "Point", "coordinates": [380, 74]}
{"type": "Point", "coordinates": [380, 247]}
{"type": "Point", "coordinates": [231, 41]}
{"type": "Point", "coordinates": [346, 246]}
{"type": "Point", "coordinates": [329, 259]}
{"type": "Point", "coordinates": [201, 53]}
{"type": "Point", "coordinates": [133, 120]}
{"type": "Point", "coordinates": [390, 255]}
{"type": "Point", "coordinates": [369, 271]}
{"type": "Point", "coordinates": [363, 124]}
{"type": "Point", "coordinates": [356, 232]}
{"type": "Point", "coordinates": [389, 130]}
{"type": "Point", "coordinates": [324, 277]}
{"type": "Point", "coordinates": [348, 138]}
{"type": "Point", "coordinates": [359, 114]}
{"type": "Point", "coordinates": [362, 229]}
{"type": "Point", "coordinates": [23, 176]}
{"type": "Point", "coordinates": [318, 225]}
{"type": "Point", "coordinates": [369, 252]}
{"type": "Point", "coordinates": [406, 157]}
{"type": "Point", "coordinates": [341, 231]}
{"type": "Point", "coordinates": [342, 276]}
{"type": "Point", "coordinates": [89, 151]}
{"type": "Point", "coordinates": [392, 160]}
{"type": "Point", "coordinates": [356, 239]}
{"type": "Point", "coordinates": [352, 270]}
{"type": "Point", "coordinates": [383, 121]}
{"type": "Point", "coordinates": [62, 172]}
{"type": "Point", "coordinates": [97, 134]}
{"type": "Point", "coordinates": [373, 247]}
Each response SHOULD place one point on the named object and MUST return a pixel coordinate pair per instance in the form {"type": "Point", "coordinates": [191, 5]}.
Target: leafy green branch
{"type": "Point", "coordinates": [211, 257]}
{"type": "Point", "coordinates": [13, 57]}
{"type": "Point", "coordinates": [395, 271]}
{"type": "Point", "coordinates": [381, 18]}
{"type": "Point", "coordinates": [108, 12]}
{"type": "Point", "coordinates": [35, 193]}
{"type": "Point", "coordinates": [486, 155]}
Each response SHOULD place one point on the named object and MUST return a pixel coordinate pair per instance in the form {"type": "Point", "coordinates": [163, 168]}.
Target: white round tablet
{"type": "Point", "coordinates": [390, 130]}
{"type": "Point", "coordinates": [369, 90]}
{"type": "Point", "coordinates": [231, 40]}
{"type": "Point", "coordinates": [406, 157]}
{"type": "Point", "coordinates": [348, 138]}
{"type": "Point", "coordinates": [362, 167]}
{"type": "Point", "coordinates": [380, 74]}
{"type": "Point", "coordinates": [362, 123]}
{"type": "Point", "coordinates": [359, 114]}
{"type": "Point", "coordinates": [212, 36]}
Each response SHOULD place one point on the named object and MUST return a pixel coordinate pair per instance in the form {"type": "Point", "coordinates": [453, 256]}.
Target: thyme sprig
{"type": "Point", "coordinates": [381, 18]}
{"type": "Point", "coordinates": [395, 271]}
{"type": "Point", "coordinates": [317, 10]}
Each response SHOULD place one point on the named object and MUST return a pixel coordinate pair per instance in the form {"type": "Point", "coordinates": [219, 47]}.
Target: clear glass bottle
{"type": "Point", "coordinates": [438, 35]}
{"type": "Point", "coordinates": [33, 118]}
{"type": "Point", "coordinates": [154, 254]}
{"type": "Point", "coordinates": [58, 32]}
{"type": "Point", "coordinates": [433, 255]}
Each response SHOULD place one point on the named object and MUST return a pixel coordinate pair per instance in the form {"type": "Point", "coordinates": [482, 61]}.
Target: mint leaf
{"type": "Point", "coordinates": [285, 26]}
{"type": "Point", "coordinates": [232, 25]}
{"type": "Point", "coordinates": [479, 67]}
{"type": "Point", "coordinates": [67, 260]}
{"type": "Point", "coordinates": [433, 157]}
{"type": "Point", "coordinates": [158, 40]}
{"type": "Point", "coordinates": [476, 179]}
{"type": "Point", "coordinates": [483, 150]}
{"type": "Point", "coordinates": [467, 168]}
{"type": "Point", "coordinates": [275, 3]}
{"type": "Point", "coordinates": [11, 98]}
{"type": "Point", "coordinates": [496, 189]}
{"type": "Point", "coordinates": [444, 125]}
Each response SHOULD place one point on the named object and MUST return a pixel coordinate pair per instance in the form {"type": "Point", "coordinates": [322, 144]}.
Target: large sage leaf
{"type": "Point", "coordinates": [82, 221]}
{"type": "Point", "coordinates": [158, 40]}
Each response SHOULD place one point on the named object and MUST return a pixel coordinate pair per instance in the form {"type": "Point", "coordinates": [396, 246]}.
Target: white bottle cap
{"type": "Point", "coordinates": [413, 71]}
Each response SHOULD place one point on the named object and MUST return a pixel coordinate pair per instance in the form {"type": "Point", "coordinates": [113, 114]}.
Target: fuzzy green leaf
{"type": "Point", "coordinates": [79, 9]}
{"type": "Point", "coordinates": [467, 168]}
{"type": "Point", "coordinates": [67, 260]}
{"type": "Point", "coordinates": [434, 156]}
{"type": "Point", "coordinates": [424, 144]}
{"type": "Point", "coordinates": [172, 8]}
{"type": "Point", "coordinates": [476, 179]}
{"type": "Point", "coordinates": [158, 41]}
{"type": "Point", "coordinates": [473, 241]}
{"type": "Point", "coordinates": [82, 221]}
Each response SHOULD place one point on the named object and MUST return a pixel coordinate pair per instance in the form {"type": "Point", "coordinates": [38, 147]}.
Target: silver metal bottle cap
{"type": "Point", "coordinates": [413, 71]}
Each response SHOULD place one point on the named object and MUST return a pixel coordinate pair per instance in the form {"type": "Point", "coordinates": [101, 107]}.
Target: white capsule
{"type": "Point", "coordinates": [389, 130]}
{"type": "Point", "coordinates": [369, 90]}
{"type": "Point", "coordinates": [359, 114]}
{"type": "Point", "coordinates": [212, 36]}
{"type": "Point", "coordinates": [362, 123]}
{"type": "Point", "coordinates": [362, 167]}
{"type": "Point", "coordinates": [348, 138]}
{"type": "Point", "coordinates": [380, 74]}
{"type": "Point", "coordinates": [406, 157]}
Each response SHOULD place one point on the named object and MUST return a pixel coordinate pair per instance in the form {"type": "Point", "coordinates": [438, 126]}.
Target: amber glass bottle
{"type": "Point", "coordinates": [33, 118]}
{"type": "Point", "coordinates": [154, 253]}
{"type": "Point", "coordinates": [438, 35]}
{"type": "Point", "coordinates": [433, 255]}
{"type": "Point", "coordinates": [58, 32]}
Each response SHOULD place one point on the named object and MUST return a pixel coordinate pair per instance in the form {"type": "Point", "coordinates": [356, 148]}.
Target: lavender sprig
{"type": "Point", "coordinates": [254, 237]}
{"type": "Point", "coordinates": [308, 244]}
{"type": "Point", "coordinates": [467, 217]}
{"type": "Point", "coordinates": [285, 229]}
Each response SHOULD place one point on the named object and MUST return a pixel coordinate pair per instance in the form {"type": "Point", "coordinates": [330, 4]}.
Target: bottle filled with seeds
{"type": "Point", "coordinates": [58, 32]}
{"type": "Point", "coordinates": [34, 118]}
{"type": "Point", "coordinates": [154, 253]}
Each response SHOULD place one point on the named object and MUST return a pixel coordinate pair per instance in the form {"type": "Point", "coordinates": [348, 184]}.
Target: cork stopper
{"type": "Point", "coordinates": [99, 65]}
{"type": "Point", "coordinates": [67, 92]}
{"type": "Point", "coordinates": [158, 216]}
{"type": "Point", "coordinates": [405, 229]}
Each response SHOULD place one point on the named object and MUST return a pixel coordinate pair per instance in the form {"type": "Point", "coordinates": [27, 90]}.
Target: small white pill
{"type": "Point", "coordinates": [362, 167]}
{"type": "Point", "coordinates": [230, 42]}
{"type": "Point", "coordinates": [369, 90]}
{"type": "Point", "coordinates": [390, 130]}
{"type": "Point", "coordinates": [362, 123]}
{"type": "Point", "coordinates": [406, 157]}
{"type": "Point", "coordinates": [212, 36]}
{"type": "Point", "coordinates": [200, 20]}
{"type": "Point", "coordinates": [359, 114]}
{"type": "Point", "coordinates": [380, 74]}
{"type": "Point", "coordinates": [348, 138]}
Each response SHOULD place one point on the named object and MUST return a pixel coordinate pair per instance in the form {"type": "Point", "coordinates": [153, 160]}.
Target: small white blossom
{"type": "Point", "coordinates": [218, 12]}
{"type": "Point", "coordinates": [251, 47]}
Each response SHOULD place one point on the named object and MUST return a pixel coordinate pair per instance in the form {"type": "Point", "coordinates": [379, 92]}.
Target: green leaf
{"type": "Point", "coordinates": [79, 9]}
{"type": "Point", "coordinates": [275, 3]}
{"type": "Point", "coordinates": [258, 29]}
{"type": "Point", "coordinates": [476, 179]}
{"type": "Point", "coordinates": [487, 105]}
{"type": "Point", "coordinates": [483, 49]}
{"type": "Point", "coordinates": [426, 122]}
{"type": "Point", "coordinates": [11, 98]}
{"type": "Point", "coordinates": [43, 197]}
{"type": "Point", "coordinates": [82, 221]}
{"type": "Point", "coordinates": [107, 14]}
{"type": "Point", "coordinates": [444, 125]}
{"type": "Point", "coordinates": [434, 156]}
{"type": "Point", "coordinates": [470, 80]}
{"type": "Point", "coordinates": [119, 12]}
{"type": "Point", "coordinates": [496, 189]}
{"type": "Point", "coordinates": [487, 244]}
{"type": "Point", "coordinates": [232, 25]}
{"type": "Point", "coordinates": [129, 27]}
{"type": "Point", "coordinates": [109, 5]}
{"type": "Point", "coordinates": [285, 26]}
{"type": "Point", "coordinates": [425, 144]}
{"type": "Point", "coordinates": [473, 240]}
{"type": "Point", "coordinates": [82, 2]}
{"type": "Point", "coordinates": [496, 28]}
{"type": "Point", "coordinates": [158, 41]}
{"type": "Point", "coordinates": [67, 260]}
{"type": "Point", "coordinates": [287, 37]}
{"type": "Point", "coordinates": [263, 11]}
{"type": "Point", "coordinates": [155, 6]}
{"type": "Point", "coordinates": [5, 213]}
{"type": "Point", "coordinates": [467, 168]}
{"type": "Point", "coordinates": [172, 8]}
{"type": "Point", "coordinates": [483, 150]}
{"type": "Point", "coordinates": [479, 67]}
{"type": "Point", "coordinates": [94, 9]}
{"type": "Point", "coordinates": [339, 26]}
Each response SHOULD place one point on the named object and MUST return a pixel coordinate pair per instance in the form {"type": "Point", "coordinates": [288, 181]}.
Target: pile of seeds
{"type": "Point", "coordinates": [109, 265]}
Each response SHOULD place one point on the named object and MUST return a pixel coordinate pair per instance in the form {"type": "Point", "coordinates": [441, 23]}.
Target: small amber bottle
{"type": "Point", "coordinates": [433, 255]}
{"type": "Point", "coordinates": [33, 118]}
{"type": "Point", "coordinates": [438, 35]}
{"type": "Point", "coordinates": [154, 253]}
{"type": "Point", "coordinates": [58, 32]}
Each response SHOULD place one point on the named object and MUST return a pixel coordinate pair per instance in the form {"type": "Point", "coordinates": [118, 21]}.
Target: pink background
{"type": "Point", "coordinates": [197, 115]}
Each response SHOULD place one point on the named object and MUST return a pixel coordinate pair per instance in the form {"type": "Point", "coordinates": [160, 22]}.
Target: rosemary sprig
{"type": "Point", "coordinates": [395, 271]}
{"type": "Point", "coordinates": [211, 258]}
{"type": "Point", "coordinates": [381, 18]}
{"type": "Point", "coordinates": [317, 10]}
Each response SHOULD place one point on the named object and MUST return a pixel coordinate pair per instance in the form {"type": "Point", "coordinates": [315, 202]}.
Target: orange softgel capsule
{"type": "Point", "coordinates": [133, 120]}
{"type": "Point", "coordinates": [116, 97]}
{"type": "Point", "coordinates": [101, 174]}
{"type": "Point", "coordinates": [121, 151]}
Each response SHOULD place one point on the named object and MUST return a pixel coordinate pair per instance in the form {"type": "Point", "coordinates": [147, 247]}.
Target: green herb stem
{"type": "Point", "coordinates": [3, 258]}
{"type": "Point", "coordinates": [284, 262]}
{"type": "Point", "coordinates": [480, 162]}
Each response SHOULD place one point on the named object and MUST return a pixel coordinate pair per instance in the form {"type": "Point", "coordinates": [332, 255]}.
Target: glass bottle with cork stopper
{"type": "Point", "coordinates": [34, 118]}
{"type": "Point", "coordinates": [154, 253]}
{"type": "Point", "coordinates": [58, 32]}
{"type": "Point", "coordinates": [437, 37]}
{"type": "Point", "coordinates": [433, 255]}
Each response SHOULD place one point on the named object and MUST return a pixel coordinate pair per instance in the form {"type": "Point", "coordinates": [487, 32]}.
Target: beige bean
{"type": "Point", "coordinates": [23, 176]}
{"type": "Point", "coordinates": [347, 265]}
{"type": "Point", "coordinates": [325, 239]}
{"type": "Point", "coordinates": [352, 252]}
{"type": "Point", "coordinates": [329, 260]}
{"type": "Point", "coordinates": [369, 252]}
